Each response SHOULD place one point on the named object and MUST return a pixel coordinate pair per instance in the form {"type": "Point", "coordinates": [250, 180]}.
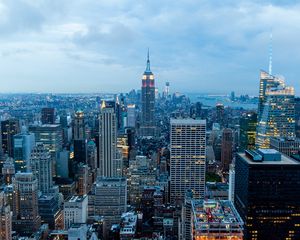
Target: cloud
{"type": "Point", "coordinates": [204, 45]}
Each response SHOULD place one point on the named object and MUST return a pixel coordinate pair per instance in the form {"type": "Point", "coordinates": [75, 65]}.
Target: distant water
{"type": "Point", "coordinates": [211, 101]}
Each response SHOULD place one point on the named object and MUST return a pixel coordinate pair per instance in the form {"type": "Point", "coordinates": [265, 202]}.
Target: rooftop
{"type": "Point", "coordinates": [285, 160]}
{"type": "Point", "coordinates": [212, 214]}
{"type": "Point", "coordinates": [187, 121]}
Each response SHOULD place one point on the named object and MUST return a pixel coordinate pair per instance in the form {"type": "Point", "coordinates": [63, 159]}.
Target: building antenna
{"type": "Point", "coordinates": [270, 53]}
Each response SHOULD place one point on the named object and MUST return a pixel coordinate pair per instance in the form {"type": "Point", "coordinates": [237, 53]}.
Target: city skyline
{"type": "Point", "coordinates": [101, 46]}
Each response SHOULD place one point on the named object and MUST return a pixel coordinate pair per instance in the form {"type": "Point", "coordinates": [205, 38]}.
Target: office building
{"type": "Point", "coordinates": [277, 119]}
{"type": "Point", "coordinates": [285, 145]}
{"type": "Point", "coordinates": [50, 211]}
{"type": "Point", "coordinates": [62, 164]}
{"type": "Point", "coordinates": [8, 170]}
{"type": "Point", "coordinates": [110, 200]}
{"type": "Point", "coordinates": [266, 82]}
{"type": "Point", "coordinates": [9, 128]}
{"type": "Point", "coordinates": [48, 116]}
{"type": "Point", "coordinates": [41, 167]}
{"type": "Point", "coordinates": [248, 123]}
{"type": "Point", "coordinates": [24, 142]}
{"type": "Point", "coordinates": [215, 220]}
{"type": "Point", "coordinates": [26, 218]}
{"type": "Point", "coordinates": [5, 218]}
{"type": "Point", "coordinates": [266, 194]}
{"type": "Point", "coordinates": [148, 103]}
{"type": "Point", "coordinates": [226, 149]}
{"type": "Point", "coordinates": [79, 138]}
{"type": "Point", "coordinates": [131, 115]}
{"type": "Point", "coordinates": [75, 210]}
{"type": "Point", "coordinates": [50, 135]}
{"type": "Point", "coordinates": [188, 156]}
{"type": "Point", "coordinates": [220, 114]}
{"type": "Point", "coordinates": [297, 116]}
{"type": "Point", "coordinates": [92, 154]}
{"type": "Point", "coordinates": [108, 164]}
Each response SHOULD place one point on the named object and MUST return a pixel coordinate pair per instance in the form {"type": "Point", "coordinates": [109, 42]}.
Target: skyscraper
{"type": "Point", "coordinates": [9, 128]}
{"type": "Point", "coordinates": [5, 218]}
{"type": "Point", "coordinates": [267, 194]}
{"type": "Point", "coordinates": [80, 151]}
{"type": "Point", "coordinates": [108, 162]}
{"type": "Point", "coordinates": [110, 199]}
{"type": "Point", "coordinates": [23, 145]}
{"type": "Point", "coordinates": [188, 156]}
{"type": "Point", "coordinates": [276, 116]}
{"type": "Point", "coordinates": [248, 124]}
{"type": "Point", "coordinates": [26, 219]}
{"type": "Point", "coordinates": [48, 116]}
{"type": "Point", "coordinates": [79, 126]}
{"type": "Point", "coordinates": [131, 115]}
{"type": "Point", "coordinates": [41, 166]}
{"type": "Point", "coordinates": [148, 102]}
{"type": "Point", "coordinates": [266, 81]}
{"type": "Point", "coordinates": [226, 149]}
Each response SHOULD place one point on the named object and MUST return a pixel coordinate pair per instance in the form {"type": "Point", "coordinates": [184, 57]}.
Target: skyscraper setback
{"type": "Point", "coordinates": [148, 102]}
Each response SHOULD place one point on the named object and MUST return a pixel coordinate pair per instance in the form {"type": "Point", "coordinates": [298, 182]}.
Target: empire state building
{"type": "Point", "coordinates": [148, 102]}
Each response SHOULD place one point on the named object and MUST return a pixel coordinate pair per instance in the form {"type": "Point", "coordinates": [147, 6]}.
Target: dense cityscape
{"type": "Point", "coordinates": [141, 120]}
{"type": "Point", "coordinates": [151, 164]}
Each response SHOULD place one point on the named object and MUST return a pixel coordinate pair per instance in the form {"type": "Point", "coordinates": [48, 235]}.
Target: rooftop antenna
{"type": "Point", "coordinates": [270, 53]}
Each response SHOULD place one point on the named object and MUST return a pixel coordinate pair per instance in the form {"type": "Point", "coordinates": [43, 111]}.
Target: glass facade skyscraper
{"type": "Point", "coordinates": [276, 111]}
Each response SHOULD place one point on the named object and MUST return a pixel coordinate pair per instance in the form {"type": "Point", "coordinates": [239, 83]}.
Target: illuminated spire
{"type": "Point", "coordinates": [270, 54]}
{"type": "Point", "coordinates": [103, 104]}
{"type": "Point", "coordinates": [148, 63]}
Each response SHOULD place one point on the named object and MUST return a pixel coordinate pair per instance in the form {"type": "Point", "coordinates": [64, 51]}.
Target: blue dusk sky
{"type": "Point", "coordinates": [207, 46]}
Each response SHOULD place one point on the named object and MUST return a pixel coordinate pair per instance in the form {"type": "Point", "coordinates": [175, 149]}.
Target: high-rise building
{"type": "Point", "coordinates": [41, 167]}
{"type": "Point", "coordinates": [26, 218]}
{"type": "Point", "coordinates": [266, 82]}
{"type": "Point", "coordinates": [226, 149]}
{"type": "Point", "coordinates": [92, 154]}
{"type": "Point", "coordinates": [23, 145]}
{"type": "Point", "coordinates": [48, 116]}
{"type": "Point", "coordinates": [51, 136]}
{"type": "Point", "coordinates": [297, 116]}
{"type": "Point", "coordinates": [79, 126]}
{"type": "Point", "coordinates": [266, 194]}
{"type": "Point", "coordinates": [75, 210]}
{"type": "Point", "coordinates": [248, 124]}
{"type": "Point", "coordinates": [220, 114]}
{"type": "Point", "coordinates": [148, 128]}
{"type": "Point", "coordinates": [188, 156]}
{"type": "Point", "coordinates": [8, 170]}
{"type": "Point", "coordinates": [166, 93]}
{"type": "Point", "coordinates": [108, 162]}
{"type": "Point", "coordinates": [277, 119]}
{"type": "Point", "coordinates": [9, 128]}
{"type": "Point", "coordinates": [110, 200]}
{"type": "Point", "coordinates": [131, 115]}
{"type": "Point", "coordinates": [5, 218]}
{"type": "Point", "coordinates": [285, 145]}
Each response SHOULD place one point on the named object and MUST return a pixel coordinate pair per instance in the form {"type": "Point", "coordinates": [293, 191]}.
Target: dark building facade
{"type": "Point", "coordinates": [248, 124]}
{"type": "Point", "coordinates": [267, 194]}
{"type": "Point", "coordinates": [148, 102]}
{"type": "Point", "coordinates": [9, 128]}
{"type": "Point", "coordinates": [226, 149]}
{"type": "Point", "coordinates": [48, 116]}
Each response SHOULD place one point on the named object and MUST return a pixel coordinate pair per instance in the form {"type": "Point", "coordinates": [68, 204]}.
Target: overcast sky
{"type": "Point", "coordinates": [212, 46]}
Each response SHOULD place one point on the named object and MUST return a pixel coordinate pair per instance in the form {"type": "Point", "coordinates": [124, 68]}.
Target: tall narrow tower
{"type": "Point", "coordinates": [108, 164]}
{"type": "Point", "coordinates": [148, 102]}
{"type": "Point", "coordinates": [188, 157]}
